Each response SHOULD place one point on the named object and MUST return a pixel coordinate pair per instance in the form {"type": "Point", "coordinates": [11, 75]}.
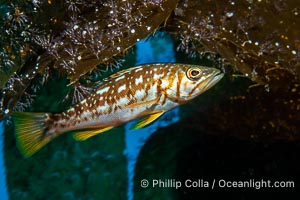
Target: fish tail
{"type": "Point", "coordinates": [31, 131]}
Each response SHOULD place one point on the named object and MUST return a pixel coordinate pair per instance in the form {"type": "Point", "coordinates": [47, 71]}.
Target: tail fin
{"type": "Point", "coordinates": [30, 132]}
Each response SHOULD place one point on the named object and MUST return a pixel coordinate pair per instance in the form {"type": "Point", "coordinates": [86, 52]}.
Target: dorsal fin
{"type": "Point", "coordinates": [120, 73]}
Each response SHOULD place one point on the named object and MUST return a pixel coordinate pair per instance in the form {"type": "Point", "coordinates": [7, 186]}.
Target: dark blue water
{"type": "Point", "coordinates": [3, 187]}
{"type": "Point", "coordinates": [158, 49]}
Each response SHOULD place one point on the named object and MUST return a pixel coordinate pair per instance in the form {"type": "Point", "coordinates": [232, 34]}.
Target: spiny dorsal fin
{"type": "Point", "coordinates": [120, 73]}
{"type": "Point", "coordinates": [85, 134]}
{"type": "Point", "coordinates": [144, 121]}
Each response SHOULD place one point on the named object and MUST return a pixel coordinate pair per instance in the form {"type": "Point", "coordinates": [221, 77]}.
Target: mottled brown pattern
{"type": "Point", "coordinates": [193, 90]}
{"type": "Point", "coordinates": [171, 78]}
{"type": "Point", "coordinates": [180, 76]}
{"type": "Point", "coordinates": [120, 89]}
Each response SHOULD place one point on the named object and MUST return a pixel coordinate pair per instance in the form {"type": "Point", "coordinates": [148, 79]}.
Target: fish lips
{"type": "Point", "coordinates": [215, 77]}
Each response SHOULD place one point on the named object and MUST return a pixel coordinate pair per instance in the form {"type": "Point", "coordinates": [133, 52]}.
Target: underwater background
{"type": "Point", "coordinates": [245, 128]}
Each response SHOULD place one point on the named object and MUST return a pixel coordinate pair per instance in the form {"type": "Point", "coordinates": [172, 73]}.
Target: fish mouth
{"type": "Point", "coordinates": [214, 78]}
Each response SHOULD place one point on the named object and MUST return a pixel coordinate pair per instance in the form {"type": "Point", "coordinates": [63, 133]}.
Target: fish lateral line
{"type": "Point", "coordinates": [144, 92]}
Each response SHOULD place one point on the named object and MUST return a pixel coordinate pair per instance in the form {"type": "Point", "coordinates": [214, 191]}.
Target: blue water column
{"type": "Point", "coordinates": [3, 187]}
{"type": "Point", "coordinates": [155, 49]}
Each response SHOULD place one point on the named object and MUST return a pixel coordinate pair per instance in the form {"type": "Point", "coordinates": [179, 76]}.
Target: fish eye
{"type": "Point", "coordinates": [193, 73]}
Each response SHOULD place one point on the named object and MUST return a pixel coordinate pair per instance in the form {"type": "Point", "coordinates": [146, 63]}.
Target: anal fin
{"type": "Point", "coordinates": [144, 121]}
{"type": "Point", "coordinates": [85, 134]}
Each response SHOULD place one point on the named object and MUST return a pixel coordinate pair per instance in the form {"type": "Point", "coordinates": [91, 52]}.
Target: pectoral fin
{"type": "Point", "coordinates": [144, 121]}
{"type": "Point", "coordinates": [85, 134]}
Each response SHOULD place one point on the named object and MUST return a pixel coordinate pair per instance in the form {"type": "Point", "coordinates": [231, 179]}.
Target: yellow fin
{"type": "Point", "coordinates": [30, 132]}
{"type": "Point", "coordinates": [85, 134]}
{"type": "Point", "coordinates": [144, 121]}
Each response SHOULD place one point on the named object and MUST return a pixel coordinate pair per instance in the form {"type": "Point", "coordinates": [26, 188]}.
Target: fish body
{"type": "Point", "coordinates": [145, 92]}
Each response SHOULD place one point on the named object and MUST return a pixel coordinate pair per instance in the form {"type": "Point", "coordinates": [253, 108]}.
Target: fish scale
{"type": "Point", "coordinates": [145, 92]}
{"type": "Point", "coordinates": [87, 112]}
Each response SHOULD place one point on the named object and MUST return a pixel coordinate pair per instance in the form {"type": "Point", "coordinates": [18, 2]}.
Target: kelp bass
{"type": "Point", "coordinates": [144, 92]}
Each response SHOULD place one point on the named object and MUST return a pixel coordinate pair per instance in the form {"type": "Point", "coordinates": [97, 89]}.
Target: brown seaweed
{"type": "Point", "coordinates": [258, 40]}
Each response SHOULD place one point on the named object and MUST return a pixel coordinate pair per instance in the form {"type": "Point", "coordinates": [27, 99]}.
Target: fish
{"type": "Point", "coordinates": [144, 92]}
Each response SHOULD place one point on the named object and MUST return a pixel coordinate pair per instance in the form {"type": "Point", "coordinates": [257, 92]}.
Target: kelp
{"type": "Point", "coordinates": [257, 40]}
{"type": "Point", "coordinates": [72, 40]}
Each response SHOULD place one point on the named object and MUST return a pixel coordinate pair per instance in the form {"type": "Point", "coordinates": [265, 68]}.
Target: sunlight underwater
{"type": "Point", "coordinates": [135, 139]}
